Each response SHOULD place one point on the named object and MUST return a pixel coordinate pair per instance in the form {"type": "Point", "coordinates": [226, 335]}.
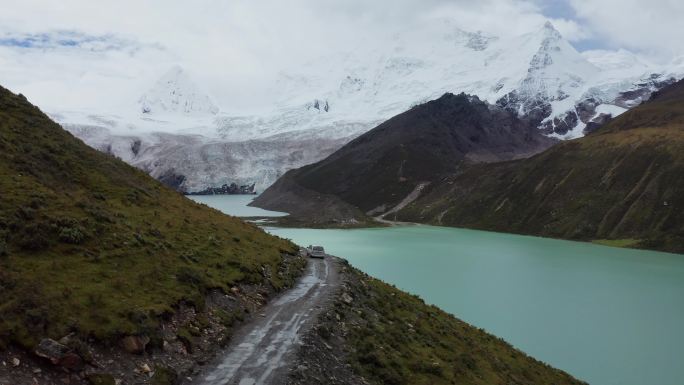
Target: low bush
{"type": "Point", "coordinates": [73, 235]}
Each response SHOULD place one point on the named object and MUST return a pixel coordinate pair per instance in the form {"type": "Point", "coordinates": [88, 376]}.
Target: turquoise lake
{"type": "Point", "coordinates": [234, 205]}
{"type": "Point", "coordinates": [608, 316]}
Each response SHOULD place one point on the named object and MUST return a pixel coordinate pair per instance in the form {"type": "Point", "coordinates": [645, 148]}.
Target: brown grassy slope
{"type": "Point", "coordinates": [92, 245]}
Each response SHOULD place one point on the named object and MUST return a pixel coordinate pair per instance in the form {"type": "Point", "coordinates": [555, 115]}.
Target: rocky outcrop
{"type": "Point", "coordinates": [59, 354]}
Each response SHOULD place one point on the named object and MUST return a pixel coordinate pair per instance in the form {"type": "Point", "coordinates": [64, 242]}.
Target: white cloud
{"type": "Point", "coordinates": [235, 48]}
{"type": "Point", "coordinates": [653, 27]}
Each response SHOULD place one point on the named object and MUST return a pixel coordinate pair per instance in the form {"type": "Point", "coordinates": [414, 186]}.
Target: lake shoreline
{"type": "Point", "coordinates": [553, 299]}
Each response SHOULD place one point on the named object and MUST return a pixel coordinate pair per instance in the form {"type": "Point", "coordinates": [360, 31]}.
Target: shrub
{"type": "Point", "coordinates": [164, 375]}
{"type": "Point", "coordinates": [35, 236]}
{"type": "Point", "coordinates": [74, 235]}
{"type": "Point", "coordinates": [186, 338]}
{"type": "Point", "coordinates": [100, 379]}
{"type": "Point", "coordinates": [190, 277]}
{"type": "Point", "coordinates": [228, 319]}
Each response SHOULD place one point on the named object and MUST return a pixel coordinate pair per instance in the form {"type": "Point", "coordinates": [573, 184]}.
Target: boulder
{"type": "Point", "coordinates": [347, 298]}
{"type": "Point", "coordinates": [59, 354]}
{"type": "Point", "coordinates": [135, 344]}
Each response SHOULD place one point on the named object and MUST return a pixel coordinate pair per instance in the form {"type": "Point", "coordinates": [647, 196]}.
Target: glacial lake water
{"type": "Point", "coordinates": [608, 316]}
{"type": "Point", "coordinates": [235, 205]}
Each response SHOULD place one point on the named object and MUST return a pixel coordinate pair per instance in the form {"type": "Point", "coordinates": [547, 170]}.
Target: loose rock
{"type": "Point", "coordinates": [347, 298]}
{"type": "Point", "coordinates": [58, 354]}
{"type": "Point", "coordinates": [135, 344]}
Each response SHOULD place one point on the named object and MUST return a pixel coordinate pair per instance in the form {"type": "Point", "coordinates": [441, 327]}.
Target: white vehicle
{"type": "Point", "coordinates": [316, 251]}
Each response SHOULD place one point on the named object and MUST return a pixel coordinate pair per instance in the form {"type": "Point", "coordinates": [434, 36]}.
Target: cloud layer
{"type": "Point", "coordinates": [75, 53]}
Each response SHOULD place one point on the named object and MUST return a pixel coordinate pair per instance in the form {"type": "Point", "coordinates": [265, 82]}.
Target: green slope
{"type": "Point", "coordinates": [387, 336]}
{"type": "Point", "coordinates": [404, 341]}
{"type": "Point", "coordinates": [91, 245]}
{"type": "Point", "coordinates": [623, 185]}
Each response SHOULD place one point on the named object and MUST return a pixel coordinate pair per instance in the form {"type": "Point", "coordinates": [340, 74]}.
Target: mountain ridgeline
{"type": "Point", "coordinates": [372, 174]}
{"type": "Point", "coordinates": [621, 185]}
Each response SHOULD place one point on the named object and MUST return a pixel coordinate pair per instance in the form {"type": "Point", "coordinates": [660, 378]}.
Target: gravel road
{"type": "Point", "coordinates": [262, 351]}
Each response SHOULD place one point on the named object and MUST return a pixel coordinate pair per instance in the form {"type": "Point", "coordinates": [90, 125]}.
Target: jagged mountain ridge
{"type": "Point", "coordinates": [538, 75]}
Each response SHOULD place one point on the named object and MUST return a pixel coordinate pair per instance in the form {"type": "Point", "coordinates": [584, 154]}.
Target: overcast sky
{"type": "Point", "coordinates": [75, 53]}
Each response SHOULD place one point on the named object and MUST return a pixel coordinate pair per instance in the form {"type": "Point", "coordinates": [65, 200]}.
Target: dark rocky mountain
{"type": "Point", "coordinates": [378, 170]}
{"type": "Point", "coordinates": [624, 183]}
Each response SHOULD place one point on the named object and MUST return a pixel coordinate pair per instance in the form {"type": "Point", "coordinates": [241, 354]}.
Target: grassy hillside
{"type": "Point", "coordinates": [380, 168]}
{"type": "Point", "coordinates": [91, 245]}
{"type": "Point", "coordinates": [390, 337]}
{"type": "Point", "coordinates": [623, 185]}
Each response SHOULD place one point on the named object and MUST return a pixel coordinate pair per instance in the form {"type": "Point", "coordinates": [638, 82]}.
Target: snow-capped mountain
{"type": "Point", "coordinates": [177, 130]}
{"type": "Point", "coordinates": [176, 93]}
{"type": "Point", "coordinates": [539, 75]}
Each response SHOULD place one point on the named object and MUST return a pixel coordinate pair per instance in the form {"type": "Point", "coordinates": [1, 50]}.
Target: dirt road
{"type": "Point", "coordinates": [262, 351]}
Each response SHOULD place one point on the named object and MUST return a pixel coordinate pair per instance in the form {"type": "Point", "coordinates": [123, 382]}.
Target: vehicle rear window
{"type": "Point", "coordinates": [318, 248]}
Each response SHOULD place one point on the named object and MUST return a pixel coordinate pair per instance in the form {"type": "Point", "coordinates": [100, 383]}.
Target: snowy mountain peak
{"type": "Point", "coordinates": [550, 31]}
{"type": "Point", "coordinates": [555, 77]}
{"type": "Point", "coordinates": [175, 92]}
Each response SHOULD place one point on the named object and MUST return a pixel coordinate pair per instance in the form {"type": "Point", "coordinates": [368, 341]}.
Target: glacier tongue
{"type": "Point", "coordinates": [177, 133]}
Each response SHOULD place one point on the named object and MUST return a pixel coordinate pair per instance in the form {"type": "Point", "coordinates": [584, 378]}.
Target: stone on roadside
{"type": "Point", "coordinates": [135, 344]}
{"type": "Point", "coordinates": [347, 298]}
{"type": "Point", "coordinates": [58, 354]}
